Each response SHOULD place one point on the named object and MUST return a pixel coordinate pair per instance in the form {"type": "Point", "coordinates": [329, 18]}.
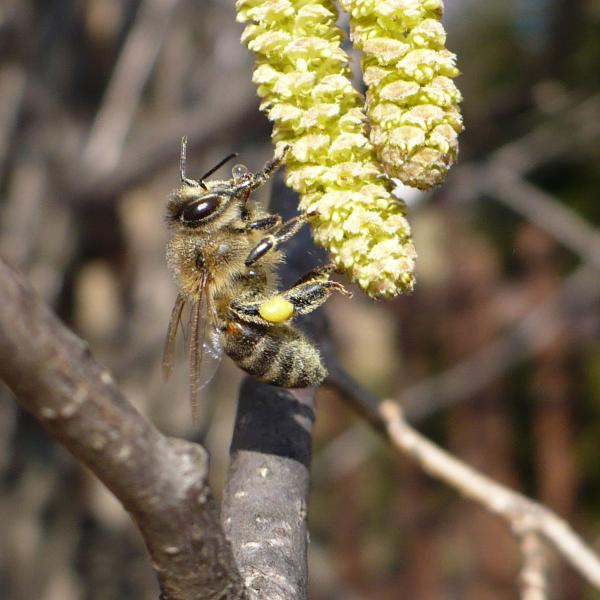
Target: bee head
{"type": "Point", "coordinates": [197, 202]}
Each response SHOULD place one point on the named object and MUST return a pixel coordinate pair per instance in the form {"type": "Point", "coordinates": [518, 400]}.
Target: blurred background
{"type": "Point", "coordinates": [496, 355]}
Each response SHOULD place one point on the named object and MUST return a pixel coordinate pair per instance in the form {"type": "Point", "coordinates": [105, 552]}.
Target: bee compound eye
{"type": "Point", "coordinates": [199, 209]}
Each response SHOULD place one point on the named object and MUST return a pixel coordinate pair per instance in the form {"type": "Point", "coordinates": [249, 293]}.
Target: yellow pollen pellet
{"type": "Point", "coordinates": [276, 310]}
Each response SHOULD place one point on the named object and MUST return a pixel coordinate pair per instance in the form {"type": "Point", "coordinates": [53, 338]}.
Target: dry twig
{"type": "Point", "coordinates": [525, 516]}
{"type": "Point", "coordinates": [533, 568]}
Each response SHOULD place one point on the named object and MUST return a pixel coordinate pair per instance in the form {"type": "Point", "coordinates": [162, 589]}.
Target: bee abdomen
{"type": "Point", "coordinates": [279, 356]}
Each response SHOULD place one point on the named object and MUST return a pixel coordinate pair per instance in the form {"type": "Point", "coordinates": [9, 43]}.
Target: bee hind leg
{"type": "Point", "coordinates": [306, 295]}
{"type": "Point", "coordinates": [313, 289]}
{"type": "Point", "coordinates": [320, 272]}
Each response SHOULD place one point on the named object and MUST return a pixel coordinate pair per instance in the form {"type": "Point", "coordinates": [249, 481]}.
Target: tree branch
{"type": "Point", "coordinates": [161, 482]}
{"type": "Point", "coordinates": [525, 516]}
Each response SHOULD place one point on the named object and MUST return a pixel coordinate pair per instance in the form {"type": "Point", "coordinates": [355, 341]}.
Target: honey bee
{"type": "Point", "coordinates": [223, 253]}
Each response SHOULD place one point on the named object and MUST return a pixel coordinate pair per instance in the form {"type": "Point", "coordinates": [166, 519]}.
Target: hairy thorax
{"type": "Point", "coordinates": [222, 256]}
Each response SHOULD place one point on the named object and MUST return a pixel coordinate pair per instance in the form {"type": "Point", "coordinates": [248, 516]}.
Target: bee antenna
{"type": "Point", "coordinates": [182, 161]}
{"type": "Point", "coordinates": [182, 157]}
{"type": "Point", "coordinates": [218, 166]}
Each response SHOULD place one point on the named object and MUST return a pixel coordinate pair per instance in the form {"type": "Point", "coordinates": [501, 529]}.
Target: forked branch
{"type": "Point", "coordinates": [161, 482]}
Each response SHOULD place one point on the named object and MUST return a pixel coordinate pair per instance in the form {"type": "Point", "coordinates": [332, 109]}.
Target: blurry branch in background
{"type": "Point", "coordinates": [113, 120]}
{"type": "Point", "coordinates": [530, 335]}
{"type": "Point", "coordinates": [111, 167]}
{"type": "Point", "coordinates": [543, 210]}
{"type": "Point", "coordinates": [162, 482]}
{"type": "Point", "coordinates": [160, 145]}
{"type": "Point", "coordinates": [501, 178]}
{"type": "Point", "coordinates": [572, 126]}
{"type": "Point", "coordinates": [13, 83]}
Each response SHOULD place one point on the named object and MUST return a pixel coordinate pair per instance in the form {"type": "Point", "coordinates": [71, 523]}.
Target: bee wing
{"type": "Point", "coordinates": [204, 345]}
{"type": "Point", "coordinates": [169, 349]}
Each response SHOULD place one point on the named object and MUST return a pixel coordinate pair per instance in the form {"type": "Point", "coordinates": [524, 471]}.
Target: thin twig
{"type": "Point", "coordinates": [161, 482]}
{"type": "Point", "coordinates": [534, 566]}
{"type": "Point", "coordinates": [519, 511]}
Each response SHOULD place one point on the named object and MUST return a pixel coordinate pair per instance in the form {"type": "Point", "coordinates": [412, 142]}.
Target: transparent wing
{"type": "Point", "coordinates": [169, 349]}
{"type": "Point", "coordinates": [204, 343]}
{"type": "Point", "coordinates": [205, 348]}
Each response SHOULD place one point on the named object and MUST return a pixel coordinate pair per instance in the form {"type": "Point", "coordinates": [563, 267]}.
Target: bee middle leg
{"type": "Point", "coordinates": [280, 235]}
{"type": "Point", "coordinates": [265, 223]}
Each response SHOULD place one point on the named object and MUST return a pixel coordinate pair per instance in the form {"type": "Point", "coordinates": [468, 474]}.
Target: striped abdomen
{"type": "Point", "coordinates": [278, 355]}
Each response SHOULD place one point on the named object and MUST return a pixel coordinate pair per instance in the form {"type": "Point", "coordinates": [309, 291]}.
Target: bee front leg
{"type": "Point", "coordinates": [252, 181]}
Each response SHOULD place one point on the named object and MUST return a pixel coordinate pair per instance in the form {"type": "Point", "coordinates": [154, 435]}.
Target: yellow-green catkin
{"type": "Point", "coordinates": [303, 77]}
{"type": "Point", "coordinates": [412, 102]}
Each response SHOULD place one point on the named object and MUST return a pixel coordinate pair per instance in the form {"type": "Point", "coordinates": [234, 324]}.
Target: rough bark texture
{"type": "Point", "coordinates": [265, 504]}
{"type": "Point", "coordinates": [161, 482]}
